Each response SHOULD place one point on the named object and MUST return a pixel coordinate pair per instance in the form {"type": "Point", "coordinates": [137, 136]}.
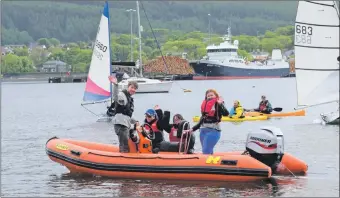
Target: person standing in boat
{"type": "Point", "coordinates": [124, 107]}
{"type": "Point", "coordinates": [264, 106]}
{"type": "Point", "coordinates": [212, 109]}
{"type": "Point", "coordinates": [237, 110]}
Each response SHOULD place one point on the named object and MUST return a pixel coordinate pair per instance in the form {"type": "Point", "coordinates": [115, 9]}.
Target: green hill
{"type": "Point", "coordinates": [27, 21]}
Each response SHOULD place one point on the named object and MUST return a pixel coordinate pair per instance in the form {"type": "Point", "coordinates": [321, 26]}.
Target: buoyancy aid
{"type": "Point", "coordinates": [238, 111]}
{"type": "Point", "coordinates": [177, 130]}
{"type": "Point", "coordinates": [208, 109]}
{"type": "Point", "coordinates": [125, 109]}
{"type": "Point", "coordinates": [144, 144]}
{"type": "Point", "coordinates": [263, 104]}
{"type": "Point", "coordinates": [173, 135]}
{"type": "Point", "coordinates": [153, 125]}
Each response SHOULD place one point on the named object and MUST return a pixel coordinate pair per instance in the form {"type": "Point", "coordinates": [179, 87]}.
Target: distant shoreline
{"type": "Point", "coordinates": [29, 77]}
{"type": "Point", "coordinates": [9, 80]}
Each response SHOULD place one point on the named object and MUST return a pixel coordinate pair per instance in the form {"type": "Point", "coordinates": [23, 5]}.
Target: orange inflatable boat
{"type": "Point", "coordinates": [141, 163]}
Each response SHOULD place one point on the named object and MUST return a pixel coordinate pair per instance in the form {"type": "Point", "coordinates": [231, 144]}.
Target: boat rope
{"type": "Point", "coordinates": [288, 169]}
{"type": "Point", "coordinates": [247, 153]}
{"type": "Point", "coordinates": [158, 46]}
{"type": "Point", "coordinates": [90, 110]}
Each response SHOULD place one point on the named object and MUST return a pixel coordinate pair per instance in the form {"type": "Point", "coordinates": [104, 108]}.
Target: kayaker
{"type": "Point", "coordinates": [264, 106]}
{"type": "Point", "coordinates": [154, 117]}
{"type": "Point", "coordinates": [212, 109]}
{"type": "Point", "coordinates": [237, 110]}
{"type": "Point", "coordinates": [175, 131]}
{"type": "Point", "coordinates": [124, 107]}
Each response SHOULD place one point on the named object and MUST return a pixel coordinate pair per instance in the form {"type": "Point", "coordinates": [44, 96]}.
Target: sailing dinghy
{"type": "Point", "coordinates": [316, 52]}
{"type": "Point", "coordinates": [98, 88]}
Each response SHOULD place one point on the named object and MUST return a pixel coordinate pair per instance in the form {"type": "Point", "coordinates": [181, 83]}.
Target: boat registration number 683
{"type": "Point", "coordinates": [213, 160]}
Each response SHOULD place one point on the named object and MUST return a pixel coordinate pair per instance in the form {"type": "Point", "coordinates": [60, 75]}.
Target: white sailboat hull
{"type": "Point", "coordinates": [104, 118]}
{"type": "Point", "coordinates": [331, 118]}
{"type": "Point", "coordinates": [146, 85]}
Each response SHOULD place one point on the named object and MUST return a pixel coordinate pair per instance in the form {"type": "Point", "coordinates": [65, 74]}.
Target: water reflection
{"type": "Point", "coordinates": [102, 186]}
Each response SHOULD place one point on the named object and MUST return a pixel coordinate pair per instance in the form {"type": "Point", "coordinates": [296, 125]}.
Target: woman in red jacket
{"type": "Point", "coordinates": [212, 109]}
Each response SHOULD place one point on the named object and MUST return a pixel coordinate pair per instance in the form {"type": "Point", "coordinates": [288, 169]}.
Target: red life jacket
{"type": "Point", "coordinates": [173, 135]}
{"type": "Point", "coordinates": [263, 105]}
{"type": "Point", "coordinates": [208, 107]}
{"type": "Point", "coordinates": [153, 127]}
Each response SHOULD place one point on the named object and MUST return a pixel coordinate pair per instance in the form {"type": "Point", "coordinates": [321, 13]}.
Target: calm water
{"type": "Point", "coordinates": [33, 113]}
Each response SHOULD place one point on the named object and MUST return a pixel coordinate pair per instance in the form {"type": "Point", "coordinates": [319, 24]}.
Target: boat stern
{"type": "Point", "coordinates": [291, 165]}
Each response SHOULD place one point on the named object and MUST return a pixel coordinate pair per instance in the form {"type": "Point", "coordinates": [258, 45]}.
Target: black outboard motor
{"type": "Point", "coordinates": [266, 145]}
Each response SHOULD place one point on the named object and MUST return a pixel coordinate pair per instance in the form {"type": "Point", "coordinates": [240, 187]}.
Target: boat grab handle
{"type": "Point", "coordinates": [187, 139]}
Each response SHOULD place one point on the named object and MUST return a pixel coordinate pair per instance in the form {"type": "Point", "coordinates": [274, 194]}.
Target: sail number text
{"type": "Point", "coordinates": [303, 39]}
{"type": "Point", "coordinates": [301, 29]}
{"type": "Point", "coordinates": [98, 54]}
{"type": "Point", "coordinates": [101, 46]}
{"type": "Point", "coordinates": [303, 34]}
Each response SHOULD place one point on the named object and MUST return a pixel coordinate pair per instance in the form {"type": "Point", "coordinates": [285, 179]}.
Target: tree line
{"type": "Point", "coordinates": [172, 42]}
{"type": "Point", "coordinates": [27, 21]}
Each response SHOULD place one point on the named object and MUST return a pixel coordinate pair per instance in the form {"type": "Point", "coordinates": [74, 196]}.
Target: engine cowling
{"type": "Point", "coordinates": [266, 145]}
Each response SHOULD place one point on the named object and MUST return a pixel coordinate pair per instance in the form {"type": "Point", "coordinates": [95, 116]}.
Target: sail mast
{"type": "Point", "coordinates": [110, 65]}
{"type": "Point", "coordinates": [140, 42]}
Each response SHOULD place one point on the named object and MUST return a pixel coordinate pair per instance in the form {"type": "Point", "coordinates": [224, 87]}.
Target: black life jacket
{"type": "Point", "coordinates": [125, 109]}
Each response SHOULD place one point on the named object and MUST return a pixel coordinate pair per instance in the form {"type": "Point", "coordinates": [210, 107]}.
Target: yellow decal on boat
{"type": "Point", "coordinates": [62, 147]}
{"type": "Point", "coordinates": [213, 160]}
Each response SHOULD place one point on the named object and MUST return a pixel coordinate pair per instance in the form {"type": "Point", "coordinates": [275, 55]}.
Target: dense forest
{"type": "Point", "coordinates": [78, 54]}
{"type": "Point", "coordinates": [27, 21]}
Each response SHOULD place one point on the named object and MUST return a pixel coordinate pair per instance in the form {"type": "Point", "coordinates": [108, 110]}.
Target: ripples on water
{"type": "Point", "coordinates": [33, 113]}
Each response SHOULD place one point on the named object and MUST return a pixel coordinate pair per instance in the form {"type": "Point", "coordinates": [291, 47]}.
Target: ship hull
{"type": "Point", "coordinates": [215, 70]}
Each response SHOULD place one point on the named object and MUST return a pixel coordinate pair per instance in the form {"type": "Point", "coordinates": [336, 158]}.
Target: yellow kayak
{"type": "Point", "coordinates": [278, 114]}
{"type": "Point", "coordinates": [228, 119]}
